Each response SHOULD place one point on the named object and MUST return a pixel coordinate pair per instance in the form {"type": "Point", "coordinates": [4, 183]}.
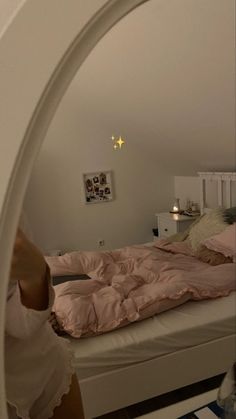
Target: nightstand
{"type": "Point", "coordinates": [169, 224]}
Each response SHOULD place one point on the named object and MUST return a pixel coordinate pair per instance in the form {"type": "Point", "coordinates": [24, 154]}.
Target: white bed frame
{"type": "Point", "coordinates": [220, 177]}
{"type": "Point", "coordinates": [116, 389]}
{"type": "Point", "coordinates": [122, 387]}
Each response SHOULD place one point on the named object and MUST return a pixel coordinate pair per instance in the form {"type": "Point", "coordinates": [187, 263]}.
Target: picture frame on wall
{"type": "Point", "coordinates": [98, 187]}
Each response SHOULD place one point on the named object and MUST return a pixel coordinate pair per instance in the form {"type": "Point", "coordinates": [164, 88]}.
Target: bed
{"type": "Point", "coordinates": [189, 343]}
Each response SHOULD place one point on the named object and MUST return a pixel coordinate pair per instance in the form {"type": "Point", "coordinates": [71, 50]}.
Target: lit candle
{"type": "Point", "coordinates": [176, 206]}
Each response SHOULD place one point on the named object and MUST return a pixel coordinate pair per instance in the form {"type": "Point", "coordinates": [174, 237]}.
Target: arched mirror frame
{"type": "Point", "coordinates": [46, 73]}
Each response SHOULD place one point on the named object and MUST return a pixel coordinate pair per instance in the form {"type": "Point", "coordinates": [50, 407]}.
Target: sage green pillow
{"type": "Point", "coordinates": [230, 215]}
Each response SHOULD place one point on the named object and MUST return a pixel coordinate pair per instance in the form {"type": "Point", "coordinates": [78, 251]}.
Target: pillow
{"type": "Point", "coordinates": [230, 215]}
{"type": "Point", "coordinates": [224, 242]}
{"type": "Point", "coordinates": [210, 256]}
{"type": "Point", "coordinates": [210, 224]}
{"type": "Point", "coordinates": [183, 235]}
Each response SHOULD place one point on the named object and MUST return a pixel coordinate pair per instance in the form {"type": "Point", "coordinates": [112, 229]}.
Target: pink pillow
{"type": "Point", "coordinates": [224, 242]}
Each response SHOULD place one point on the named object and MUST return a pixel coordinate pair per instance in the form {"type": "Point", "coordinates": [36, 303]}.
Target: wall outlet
{"type": "Point", "coordinates": [101, 242]}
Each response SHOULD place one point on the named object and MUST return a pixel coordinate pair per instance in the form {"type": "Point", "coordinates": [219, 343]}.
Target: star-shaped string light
{"type": "Point", "coordinates": [118, 142]}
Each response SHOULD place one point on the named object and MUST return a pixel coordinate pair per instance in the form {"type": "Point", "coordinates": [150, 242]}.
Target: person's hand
{"type": "Point", "coordinates": [29, 268]}
{"type": "Point", "coordinates": [28, 264]}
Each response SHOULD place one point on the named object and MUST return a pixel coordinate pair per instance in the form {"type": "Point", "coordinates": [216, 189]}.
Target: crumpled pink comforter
{"type": "Point", "coordinates": [131, 284]}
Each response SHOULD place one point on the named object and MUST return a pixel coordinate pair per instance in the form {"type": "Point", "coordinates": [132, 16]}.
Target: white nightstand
{"type": "Point", "coordinates": [169, 224]}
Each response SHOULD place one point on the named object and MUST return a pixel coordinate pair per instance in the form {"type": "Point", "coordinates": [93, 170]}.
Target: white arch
{"type": "Point", "coordinates": [33, 80]}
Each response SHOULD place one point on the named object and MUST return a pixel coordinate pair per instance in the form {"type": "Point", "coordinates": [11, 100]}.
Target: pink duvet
{"type": "Point", "coordinates": [131, 284]}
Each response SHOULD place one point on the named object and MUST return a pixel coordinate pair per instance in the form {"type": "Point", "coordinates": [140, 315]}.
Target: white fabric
{"type": "Point", "coordinates": [38, 363]}
{"type": "Point", "coordinates": [185, 326]}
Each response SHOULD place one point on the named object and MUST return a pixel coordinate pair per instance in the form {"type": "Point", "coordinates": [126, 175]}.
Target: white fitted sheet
{"type": "Point", "coordinates": [192, 323]}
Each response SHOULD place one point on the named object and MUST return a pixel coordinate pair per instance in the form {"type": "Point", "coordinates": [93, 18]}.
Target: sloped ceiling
{"type": "Point", "coordinates": [164, 77]}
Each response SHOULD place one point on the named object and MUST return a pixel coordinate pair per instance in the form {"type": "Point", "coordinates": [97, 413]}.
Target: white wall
{"type": "Point", "coordinates": [164, 78]}
{"type": "Point", "coordinates": [166, 73]}
{"type": "Point", "coordinates": [77, 143]}
{"type": "Point", "coordinates": [55, 203]}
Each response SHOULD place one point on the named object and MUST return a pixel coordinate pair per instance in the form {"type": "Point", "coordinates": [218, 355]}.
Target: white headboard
{"type": "Point", "coordinates": [224, 182]}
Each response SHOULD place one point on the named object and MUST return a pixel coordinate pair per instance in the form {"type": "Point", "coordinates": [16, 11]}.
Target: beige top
{"type": "Point", "coordinates": [38, 363]}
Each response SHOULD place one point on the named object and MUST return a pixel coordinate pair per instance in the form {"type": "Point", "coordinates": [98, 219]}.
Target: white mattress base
{"type": "Point", "coordinates": [129, 385]}
{"type": "Point", "coordinates": [193, 323]}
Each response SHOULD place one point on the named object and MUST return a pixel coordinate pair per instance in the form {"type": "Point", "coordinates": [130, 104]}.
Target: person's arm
{"type": "Point", "coordinates": [29, 268]}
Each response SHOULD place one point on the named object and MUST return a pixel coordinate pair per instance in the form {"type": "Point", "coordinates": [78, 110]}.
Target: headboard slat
{"type": "Point", "coordinates": [223, 179]}
{"type": "Point", "coordinates": [202, 194]}
{"type": "Point", "coordinates": [228, 193]}
{"type": "Point", "coordinates": [220, 192]}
